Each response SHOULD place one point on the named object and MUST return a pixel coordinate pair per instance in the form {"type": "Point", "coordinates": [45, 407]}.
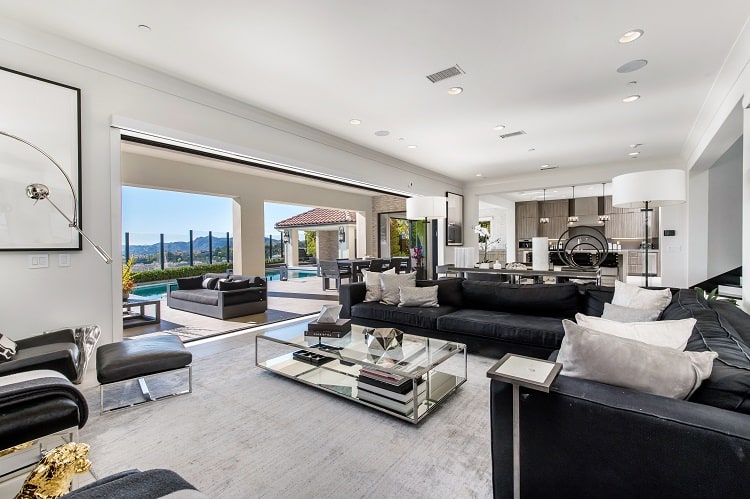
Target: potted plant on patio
{"type": "Point", "coordinates": [128, 283]}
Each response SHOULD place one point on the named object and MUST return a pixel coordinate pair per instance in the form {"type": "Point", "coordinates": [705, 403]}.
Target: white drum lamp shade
{"type": "Point", "coordinates": [655, 187]}
{"type": "Point", "coordinates": [429, 207]}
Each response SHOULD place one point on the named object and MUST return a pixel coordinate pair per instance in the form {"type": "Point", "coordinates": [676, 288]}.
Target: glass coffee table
{"type": "Point", "coordinates": [407, 376]}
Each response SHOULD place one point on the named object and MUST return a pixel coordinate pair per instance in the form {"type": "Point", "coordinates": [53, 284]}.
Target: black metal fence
{"type": "Point", "coordinates": [172, 250]}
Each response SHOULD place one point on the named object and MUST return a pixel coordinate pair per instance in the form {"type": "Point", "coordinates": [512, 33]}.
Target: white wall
{"type": "Point", "coordinates": [724, 213]}
{"type": "Point", "coordinates": [88, 291]}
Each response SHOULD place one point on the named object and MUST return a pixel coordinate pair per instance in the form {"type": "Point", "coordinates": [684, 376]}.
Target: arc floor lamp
{"type": "Point", "coordinates": [39, 192]}
{"type": "Point", "coordinates": [648, 190]}
{"type": "Point", "coordinates": [426, 208]}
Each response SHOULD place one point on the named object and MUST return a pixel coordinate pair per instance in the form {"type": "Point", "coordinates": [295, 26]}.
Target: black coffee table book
{"type": "Point", "coordinates": [337, 329]}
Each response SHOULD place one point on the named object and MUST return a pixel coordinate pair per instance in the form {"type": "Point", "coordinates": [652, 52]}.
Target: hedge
{"type": "Point", "coordinates": [175, 272]}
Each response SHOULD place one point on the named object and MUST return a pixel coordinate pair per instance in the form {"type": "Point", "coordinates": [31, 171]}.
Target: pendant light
{"type": "Point", "coordinates": [603, 217]}
{"type": "Point", "coordinates": [572, 218]}
{"type": "Point", "coordinates": [543, 219]}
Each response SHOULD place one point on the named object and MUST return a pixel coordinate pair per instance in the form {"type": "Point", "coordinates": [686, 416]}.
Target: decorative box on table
{"type": "Point", "coordinates": [337, 329]}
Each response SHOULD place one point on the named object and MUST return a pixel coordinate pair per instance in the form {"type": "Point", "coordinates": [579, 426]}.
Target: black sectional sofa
{"type": "Point", "coordinates": [244, 295]}
{"type": "Point", "coordinates": [490, 317]}
{"type": "Point", "coordinates": [586, 439]}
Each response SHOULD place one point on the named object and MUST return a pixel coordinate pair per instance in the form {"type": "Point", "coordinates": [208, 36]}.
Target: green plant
{"type": "Point", "coordinates": [175, 272]}
{"type": "Point", "coordinates": [713, 295]}
{"type": "Point", "coordinates": [128, 280]}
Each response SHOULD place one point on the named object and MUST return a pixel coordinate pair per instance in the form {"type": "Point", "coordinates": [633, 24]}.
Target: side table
{"type": "Point", "coordinates": [536, 374]}
{"type": "Point", "coordinates": [139, 318]}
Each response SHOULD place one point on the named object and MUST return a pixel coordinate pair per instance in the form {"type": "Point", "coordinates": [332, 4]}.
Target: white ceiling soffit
{"type": "Point", "coordinates": [546, 67]}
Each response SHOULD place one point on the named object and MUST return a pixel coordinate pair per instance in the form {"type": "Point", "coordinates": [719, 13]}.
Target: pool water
{"type": "Point", "coordinates": [158, 291]}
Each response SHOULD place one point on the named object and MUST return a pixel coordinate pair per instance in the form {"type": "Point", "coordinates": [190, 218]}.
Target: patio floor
{"type": "Point", "coordinates": [286, 300]}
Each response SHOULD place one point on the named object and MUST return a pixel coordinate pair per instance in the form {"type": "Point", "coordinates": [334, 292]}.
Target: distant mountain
{"type": "Point", "coordinates": [200, 244]}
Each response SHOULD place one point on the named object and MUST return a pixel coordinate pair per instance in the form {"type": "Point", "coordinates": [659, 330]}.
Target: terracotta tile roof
{"type": "Point", "coordinates": [318, 216]}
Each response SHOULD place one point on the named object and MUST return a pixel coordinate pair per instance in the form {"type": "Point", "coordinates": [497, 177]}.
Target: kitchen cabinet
{"type": "Point", "coordinates": [636, 262]}
{"type": "Point", "coordinates": [630, 225]}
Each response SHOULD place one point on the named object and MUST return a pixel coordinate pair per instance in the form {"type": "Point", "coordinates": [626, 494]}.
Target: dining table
{"type": "Point", "coordinates": [357, 265]}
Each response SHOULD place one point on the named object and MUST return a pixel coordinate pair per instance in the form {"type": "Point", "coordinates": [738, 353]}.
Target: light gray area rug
{"type": "Point", "coordinates": [245, 432]}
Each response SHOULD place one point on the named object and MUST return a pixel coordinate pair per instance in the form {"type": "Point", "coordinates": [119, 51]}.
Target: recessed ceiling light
{"type": "Point", "coordinates": [631, 66]}
{"type": "Point", "coordinates": [382, 133]}
{"type": "Point", "coordinates": [633, 154]}
{"type": "Point", "coordinates": [455, 90]}
{"type": "Point", "coordinates": [144, 27]}
{"type": "Point", "coordinates": [412, 146]}
{"type": "Point", "coordinates": [479, 175]}
{"type": "Point", "coordinates": [355, 121]}
{"type": "Point", "coordinates": [546, 165]}
{"type": "Point", "coordinates": [633, 146]}
{"type": "Point", "coordinates": [631, 36]}
{"type": "Point", "coordinates": [631, 98]}
{"type": "Point", "coordinates": [497, 128]}
{"type": "Point", "coordinates": [531, 149]}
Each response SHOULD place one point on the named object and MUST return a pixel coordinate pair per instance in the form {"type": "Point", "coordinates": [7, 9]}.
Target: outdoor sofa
{"type": "Point", "coordinates": [222, 296]}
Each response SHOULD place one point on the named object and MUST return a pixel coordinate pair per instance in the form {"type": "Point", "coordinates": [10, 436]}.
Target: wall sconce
{"type": "Point", "coordinates": [285, 237]}
{"type": "Point", "coordinates": [40, 192]}
{"type": "Point", "coordinates": [342, 234]}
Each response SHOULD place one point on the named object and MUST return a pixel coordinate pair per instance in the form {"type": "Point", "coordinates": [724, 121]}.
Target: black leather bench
{"type": "Point", "coordinates": [141, 358]}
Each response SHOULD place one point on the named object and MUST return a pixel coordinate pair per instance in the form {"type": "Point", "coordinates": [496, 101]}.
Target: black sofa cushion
{"type": "Point", "coordinates": [449, 290]}
{"type": "Point", "coordinates": [425, 318]}
{"type": "Point", "coordinates": [514, 328]}
{"type": "Point", "coordinates": [195, 282]}
{"type": "Point", "coordinates": [728, 386]}
{"type": "Point", "coordinates": [232, 285]}
{"type": "Point", "coordinates": [204, 296]}
{"type": "Point", "coordinates": [592, 298]}
{"type": "Point", "coordinates": [546, 300]}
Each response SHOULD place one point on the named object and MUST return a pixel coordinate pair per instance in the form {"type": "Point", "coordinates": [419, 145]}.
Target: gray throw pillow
{"type": "Point", "coordinates": [606, 358]}
{"type": "Point", "coordinates": [418, 297]}
{"type": "Point", "coordinates": [372, 284]}
{"type": "Point", "coordinates": [630, 295]}
{"type": "Point", "coordinates": [391, 284]}
{"type": "Point", "coordinates": [210, 282]}
{"type": "Point", "coordinates": [629, 314]}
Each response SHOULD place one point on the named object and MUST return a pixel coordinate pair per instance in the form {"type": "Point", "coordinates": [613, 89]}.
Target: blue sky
{"type": "Point", "coordinates": [146, 213]}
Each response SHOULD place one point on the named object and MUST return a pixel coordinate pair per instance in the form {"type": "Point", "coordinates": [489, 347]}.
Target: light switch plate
{"type": "Point", "coordinates": [63, 260]}
{"type": "Point", "coordinates": [38, 261]}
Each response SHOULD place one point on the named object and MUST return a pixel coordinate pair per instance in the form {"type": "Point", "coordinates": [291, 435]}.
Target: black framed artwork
{"type": "Point", "coordinates": [46, 114]}
{"type": "Point", "coordinates": [454, 220]}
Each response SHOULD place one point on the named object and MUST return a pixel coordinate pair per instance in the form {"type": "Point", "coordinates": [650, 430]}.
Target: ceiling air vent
{"type": "Point", "coordinates": [445, 74]}
{"type": "Point", "coordinates": [512, 134]}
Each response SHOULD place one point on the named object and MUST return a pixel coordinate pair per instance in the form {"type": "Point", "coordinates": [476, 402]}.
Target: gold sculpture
{"type": "Point", "coordinates": [51, 478]}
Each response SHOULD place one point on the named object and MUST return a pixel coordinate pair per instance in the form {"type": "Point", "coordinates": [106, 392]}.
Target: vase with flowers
{"type": "Point", "coordinates": [417, 255]}
{"type": "Point", "coordinates": [485, 240]}
{"type": "Point", "coordinates": [128, 283]}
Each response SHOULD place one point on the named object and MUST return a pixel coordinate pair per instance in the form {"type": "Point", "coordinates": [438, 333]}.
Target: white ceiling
{"type": "Point", "coordinates": [547, 67]}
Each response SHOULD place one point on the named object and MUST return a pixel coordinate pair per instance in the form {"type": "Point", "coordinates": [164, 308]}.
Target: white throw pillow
{"type": "Point", "coordinates": [589, 354]}
{"type": "Point", "coordinates": [7, 348]}
{"type": "Point", "coordinates": [418, 297]}
{"type": "Point", "coordinates": [670, 334]}
{"type": "Point", "coordinates": [628, 295]}
{"type": "Point", "coordinates": [629, 314]}
{"type": "Point", "coordinates": [372, 284]}
{"type": "Point", "coordinates": [391, 285]}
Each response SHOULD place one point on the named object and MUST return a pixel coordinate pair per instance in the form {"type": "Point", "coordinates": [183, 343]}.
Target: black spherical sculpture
{"type": "Point", "coordinates": [584, 238]}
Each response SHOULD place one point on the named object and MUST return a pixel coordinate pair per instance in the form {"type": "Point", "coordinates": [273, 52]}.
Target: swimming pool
{"type": "Point", "coordinates": [158, 291]}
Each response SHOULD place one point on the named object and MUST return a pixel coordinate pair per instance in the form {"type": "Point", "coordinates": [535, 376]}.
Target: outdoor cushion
{"type": "Point", "coordinates": [728, 386]}
{"type": "Point", "coordinates": [243, 296]}
{"type": "Point", "coordinates": [547, 300]}
{"type": "Point", "coordinates": [205, 296]}
{"type": "Point", "coordinates": [515, 328]}
{"type": "Point", "coordinates": [189, 282]}
{"type": "Point", "coordinates": [232, 285]}
{"type": "Point", "coordinates": [421, 317]}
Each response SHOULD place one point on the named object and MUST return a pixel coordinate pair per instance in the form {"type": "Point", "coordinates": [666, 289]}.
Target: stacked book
{"type": "Point", "coordinates": [337, 329]}
{"type": "Point", "coordinates": [389, 390]}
